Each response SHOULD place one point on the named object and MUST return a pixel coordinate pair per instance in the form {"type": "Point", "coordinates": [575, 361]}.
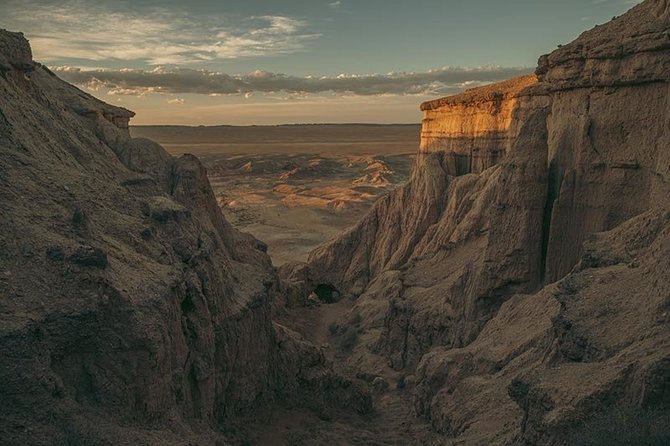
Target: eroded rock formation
{"type": "Point", "coordinates": [131, 312]}
{"type": "Point", "coordinates": [517, 283]}
{"type": "Point", "coordinates": [521, 271]}
{"type": "Point", "coordinates": [475, 129]}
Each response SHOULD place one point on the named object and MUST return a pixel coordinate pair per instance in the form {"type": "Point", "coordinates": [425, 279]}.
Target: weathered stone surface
{"type": "Point", "coordinates": [89, 256]}
{"type": "Point", "coordinates": [476, 129]}
{"type": "Point", "coordinates": [629, 50]}
{"type": "Point", "coordinates": [521, 271]}
{"type": "Point", "coordinates": [148, 318]}
{"type": "Point", "coordinates": [530, 375]}
{"type": "Point", "coordinates": [15, 52]}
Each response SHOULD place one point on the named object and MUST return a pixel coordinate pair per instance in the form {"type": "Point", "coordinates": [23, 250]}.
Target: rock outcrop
{"type": "Point", "coordinates": [476, 129]}
{"type": "Point", "coordinates": [522, 268]}
{"type": "Point", "coordinates": [131, 312]}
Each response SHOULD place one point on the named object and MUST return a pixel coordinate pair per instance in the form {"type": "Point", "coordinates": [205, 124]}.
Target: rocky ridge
{"type": "Point", "coordinates": [131, 312]}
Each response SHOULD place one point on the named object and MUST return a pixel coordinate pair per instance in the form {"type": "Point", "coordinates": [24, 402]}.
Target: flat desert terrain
{"type": "Point", "coordinates": [295, 186]}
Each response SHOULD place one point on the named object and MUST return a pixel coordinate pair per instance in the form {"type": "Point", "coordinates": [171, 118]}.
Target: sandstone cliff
{"type": "Point", "coordinates": [559, 176]}
{"type": "Point", "coordinates": [130, 311]}
{"type": "Point", "coordinates": [476, 129]}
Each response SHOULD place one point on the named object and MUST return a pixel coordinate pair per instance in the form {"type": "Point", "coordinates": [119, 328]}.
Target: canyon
{"type": "Point", "coordinates": [513, 291]}
{"type": "Point", "coordinates": [132, 312]}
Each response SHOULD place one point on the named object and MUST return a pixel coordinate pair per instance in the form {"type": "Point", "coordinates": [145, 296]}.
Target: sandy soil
{"type": "Point", "coordinates": [294, 187]}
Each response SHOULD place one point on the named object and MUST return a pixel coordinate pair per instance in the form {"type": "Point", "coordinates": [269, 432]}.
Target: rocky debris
{"type": "Point", "coordinates": [162, 209]}
{"type": "Point", "coordinates": [55, 253]}
{"type": "Point", "coordinates": [318, 387]}
{"type": "Point", "coordinates": [79, 220]}
{"type": "Point", "coordinates": [380, 384]}
{"type": "Point", "coordinates": [313, 300]}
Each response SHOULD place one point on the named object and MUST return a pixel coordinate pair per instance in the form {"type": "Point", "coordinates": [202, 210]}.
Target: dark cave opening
{"type": "Point", "coordinates": [187, 305]}
{"type": "Point", "coordinates": [327, 293]}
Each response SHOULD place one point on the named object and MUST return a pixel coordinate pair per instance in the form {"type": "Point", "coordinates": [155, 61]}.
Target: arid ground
{"type": "Point", "coordinates": [295, 186]}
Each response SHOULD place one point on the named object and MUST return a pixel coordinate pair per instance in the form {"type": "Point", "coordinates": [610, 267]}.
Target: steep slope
{"type": "Point", "coordinates": [471, 238]}
{"type": "Point", "coordinates": [584, 361]}
{"type": "Point", "coordinates": [130, 311]}
{"type": "Point", "coordinates": [511, 183]}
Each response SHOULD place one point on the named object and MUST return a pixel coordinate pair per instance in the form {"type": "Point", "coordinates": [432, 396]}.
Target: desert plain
{"type": "Point", "coordinates": [295, 186]}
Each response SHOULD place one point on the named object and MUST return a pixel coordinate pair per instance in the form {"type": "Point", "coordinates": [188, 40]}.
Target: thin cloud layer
{"type": "Point", "coordinates": [139, 82]}
{"type": "Point", "coordinates": [155, 36]}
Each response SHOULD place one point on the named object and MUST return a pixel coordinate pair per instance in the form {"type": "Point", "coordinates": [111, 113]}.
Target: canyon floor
{"type": "Point", "coordinates": [295, 186]}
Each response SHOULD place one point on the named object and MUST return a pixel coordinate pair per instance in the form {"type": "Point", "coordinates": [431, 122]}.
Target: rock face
{"type": "Point", "coordinates": [130, 311]}
{"type": "Point", "coordinates": [608, 129]}
{"type": "Point", "coordinates": [476, 129]}
{"type": "Point", "coordinates": [523, 264]}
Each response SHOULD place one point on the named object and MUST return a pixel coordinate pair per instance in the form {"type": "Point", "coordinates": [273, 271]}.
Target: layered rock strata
{"type": "Point", "coordinates": [476, 129]}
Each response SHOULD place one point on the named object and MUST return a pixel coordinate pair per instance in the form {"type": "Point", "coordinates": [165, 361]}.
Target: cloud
{"type": "Point", "coordinates": [178, 81]}
{"type": "Point", "coordinates": [61, 31]}
{"type": "Point", "coordinates": [619, 2]}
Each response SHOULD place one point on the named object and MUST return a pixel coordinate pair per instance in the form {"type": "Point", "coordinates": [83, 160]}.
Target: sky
{"type": "Point", "coordinates": [243, 62]}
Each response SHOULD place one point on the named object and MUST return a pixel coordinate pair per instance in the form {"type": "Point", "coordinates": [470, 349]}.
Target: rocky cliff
{"type": "Point", "coordinates": [520, 274]}
{"type": "Point", "coordinates": [476, 129]}
{"type": "Point", "coordinates": [131, 312]}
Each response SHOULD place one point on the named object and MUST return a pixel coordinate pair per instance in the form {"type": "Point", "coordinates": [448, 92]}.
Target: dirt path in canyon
{"type": "Point", "coordinates": [390, 423]}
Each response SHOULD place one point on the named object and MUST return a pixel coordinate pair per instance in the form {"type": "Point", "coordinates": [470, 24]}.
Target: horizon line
{"type": "Point", "coordinates": [280, 125]}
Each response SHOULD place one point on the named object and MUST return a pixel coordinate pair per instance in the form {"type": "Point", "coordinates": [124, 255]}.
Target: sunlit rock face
{"type": "Point", "coordinates": [474, 130]}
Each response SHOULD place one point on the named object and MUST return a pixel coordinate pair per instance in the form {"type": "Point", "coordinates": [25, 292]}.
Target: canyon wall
{"type": "Point", "coordinates": [562, 176]}
{"type": "Point", "coordinates": [131, 312]}
{"type": "Point", "coordinates": [608, 131]}
{"type": "Point", "coordinates": [472, 237]}
{"type": "Point", "coordinates": [475, 129]}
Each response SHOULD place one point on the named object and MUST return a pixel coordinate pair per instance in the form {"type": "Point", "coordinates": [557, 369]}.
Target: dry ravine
{"type": "Point", "coordinates": [514, 291]}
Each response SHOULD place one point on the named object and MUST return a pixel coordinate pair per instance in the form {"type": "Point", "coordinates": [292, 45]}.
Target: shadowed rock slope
{"type": "Point", "coordinates": [521, 274]}
{"type": "Point", "coordinates": [130, 311]}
